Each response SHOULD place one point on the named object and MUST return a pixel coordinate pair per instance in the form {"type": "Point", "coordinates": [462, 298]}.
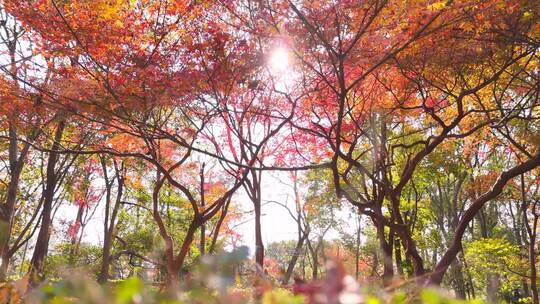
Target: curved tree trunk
{"type": "Point", "coordinates": [436, 276]}
{"type": "Point", "coordinates": [294, 259]}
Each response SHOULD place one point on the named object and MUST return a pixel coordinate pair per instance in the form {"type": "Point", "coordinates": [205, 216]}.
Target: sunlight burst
{"type": "Point", "coordinates": [279, 59]}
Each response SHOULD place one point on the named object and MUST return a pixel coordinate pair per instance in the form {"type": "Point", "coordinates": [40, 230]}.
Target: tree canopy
{"type": "Point", "coordinates": [404, 135]}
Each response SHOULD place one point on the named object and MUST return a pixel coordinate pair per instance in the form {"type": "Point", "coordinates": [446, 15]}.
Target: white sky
{"type": "Point", "coordinates": [277, 223]}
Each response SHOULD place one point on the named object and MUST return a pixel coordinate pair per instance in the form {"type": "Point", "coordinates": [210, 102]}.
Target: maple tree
{"type": "Point", "coordinates": [422, 116]}
{"type": "Point", "coordinates": [363, 97]}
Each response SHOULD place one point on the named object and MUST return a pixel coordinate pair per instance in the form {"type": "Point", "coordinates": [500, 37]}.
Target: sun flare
{"type": "Point", "coordinates": [279, 59]}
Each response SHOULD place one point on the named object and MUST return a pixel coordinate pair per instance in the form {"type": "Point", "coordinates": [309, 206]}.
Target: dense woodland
{"type": "Point", "coordinates": [406, 134]}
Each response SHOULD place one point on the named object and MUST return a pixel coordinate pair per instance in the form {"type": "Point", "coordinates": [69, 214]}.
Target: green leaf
{"type": "Point", "coordinates": [128, 291]}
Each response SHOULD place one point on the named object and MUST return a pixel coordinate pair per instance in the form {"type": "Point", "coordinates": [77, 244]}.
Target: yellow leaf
{"type": "Point", "coordinates": [437, 6]}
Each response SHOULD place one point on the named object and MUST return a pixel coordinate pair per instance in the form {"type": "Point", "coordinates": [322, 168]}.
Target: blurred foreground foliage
{"type": "Point", "coordinates": [215, 280]}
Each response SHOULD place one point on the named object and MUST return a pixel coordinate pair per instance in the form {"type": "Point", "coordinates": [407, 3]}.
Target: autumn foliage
{"type": "Point", "coordinates": [174, 114]}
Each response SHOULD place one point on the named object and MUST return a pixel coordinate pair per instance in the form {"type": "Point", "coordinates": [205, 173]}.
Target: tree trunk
{"type": "Point", "coordinates": [458, 279]}
{"type": "Point", "coordinates": [314, 260]}
{"type": "Point", "coordinates": [531, 232]}
{"type": "Point", "coordinates": [172, 278]}
{"type": "Point", "coordinates": [492, 287]}
{"type": "Point", "coordinates": [386, 250]}
{"type": "Point", "coordinates": [315, 267]}
{"type": "Point", "coordinates": [303, 232]}
{"type": "Point", "coordinates": [259, 246]}
{"type": "Point", "coordinates": [533, 277]}
{"type": "Point", "coordinates": [42, 242]}
{"type": "Point", "coordinates": [408, 242]}
{"type": "Point", "coordinates": [73, 250]}
{"type": "Point", "coordinates": [440, 269]}
{"type": "Point", "coordinates": [16, 164]}
{"type": "Point", "coordinates": [217, 227]}
{"type": "Point", "coordinates": [109, 226]}
{"type": "Point", "coordinates": [3, 268]}
{"type": "Point", "coordinates": [188, 240]}
{"type": "Point", "coordinates": [397, 252]}
{"type": "Point", "coordinates": [202, 241]}
{"type": "Point", "coordinates": [294, 259]}
{"type": "Point", "coordinates": [107, 238]}
{"type": "Point", "coordinates": [357, 251]}
{"type": "Point", "coordinates": [106, 259]}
